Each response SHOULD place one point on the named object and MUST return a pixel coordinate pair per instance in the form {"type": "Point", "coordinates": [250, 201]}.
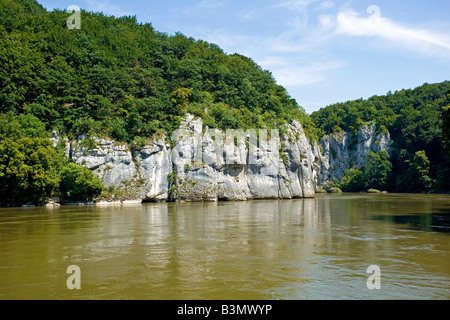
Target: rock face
{"type": "Point", "coordinates": [211, 165]}
{"type": "Point", "coordinates": [238, 165]}
{"type": "Point", "coordinates": [142, 174]}
{"type": "Point", "coordinates": [155, 165]}
{"type": "Point", "coordinates": [343, 150]}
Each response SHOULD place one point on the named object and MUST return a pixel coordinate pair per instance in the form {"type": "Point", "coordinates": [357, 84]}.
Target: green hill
{"type": "Point", "coordinates": [119, 78]}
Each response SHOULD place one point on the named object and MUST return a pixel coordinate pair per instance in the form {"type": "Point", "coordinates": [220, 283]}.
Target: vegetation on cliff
{"type": "Point", "coordinates": [418, 122]}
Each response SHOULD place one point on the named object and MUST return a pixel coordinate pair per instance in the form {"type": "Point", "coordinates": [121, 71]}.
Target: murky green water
{"type": "Point", "coordinates": [291, 249]}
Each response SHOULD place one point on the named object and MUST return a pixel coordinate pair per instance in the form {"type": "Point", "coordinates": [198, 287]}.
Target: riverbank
{"type": "Point", "coordinates": [103, 203]}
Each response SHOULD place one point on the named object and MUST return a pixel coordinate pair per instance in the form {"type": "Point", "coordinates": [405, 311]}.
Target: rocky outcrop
{"type": "Point", "coordinates": [155, 165]}
{"type": "Point", "coordinates": [210, 165]}
{"type": "Point", "coordinates": [302, 163]}
{"type": "Point", "coordinates": [238, 165]}
{"type": "Point", "coordinates": [139, 175]}
{"type": "Point", "coordinates": [341, 151]}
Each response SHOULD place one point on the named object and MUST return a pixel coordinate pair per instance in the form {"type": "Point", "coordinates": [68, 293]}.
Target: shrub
{"type": "Point", "coordinates": [79, 184]}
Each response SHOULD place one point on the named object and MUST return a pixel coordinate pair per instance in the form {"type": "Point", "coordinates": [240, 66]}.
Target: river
{"type": "Point", "coordinates": [289, 249]}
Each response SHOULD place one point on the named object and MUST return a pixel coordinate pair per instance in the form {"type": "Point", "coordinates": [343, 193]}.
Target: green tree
{"type": "Point", "coordinates": [28, 170]}
{"type": "Point", "coordinates": [117, 77]}
{"type": "Point", "coordinates": [377, 170]}
{"type": "Point", "coordinates": [181, 97]}
{"type": "Point", "coordinates": [416, 176]}
{"type": "Point", "coordinates": [32, 127]}
{"type": "Point", "coordinates": [416, 119]}
{"type": "Point", "coordinates": [9, 126]}
{"type": "Point", "coordinates": [78, 183]}
{"type": "Point", "coordinates": [354, 180]}
{"type": "Point", "coordinates": [373, 175]}
{"type": "Point", "coordinates": [25, 125]}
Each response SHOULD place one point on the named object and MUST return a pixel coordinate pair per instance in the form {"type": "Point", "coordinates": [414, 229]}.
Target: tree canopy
{"type": "Point", "coordinates": [119, 78]}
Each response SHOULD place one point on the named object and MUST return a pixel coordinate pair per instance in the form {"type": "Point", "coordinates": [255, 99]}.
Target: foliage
{"type": "Point", "coordinates": [122, 79]}
{"type": "Point", "coordinates": [378, 170]}
{"type": "Point", "coordinates": [26, 125]}
{"type": "Point", "coordinates": [114, 78]}
{"type": "Point", "coordinates": [28, 170]}
{"type": "Point", "coordinates": [374, 175]}
{"type": "Point", "coordinates": [30, 165]}
{"type": "Point", "coordinates": [416, 174]}
{"type": "Point", "coordinates": [119, 78]}
{"type": "Point", "coordinates": [79, 183]}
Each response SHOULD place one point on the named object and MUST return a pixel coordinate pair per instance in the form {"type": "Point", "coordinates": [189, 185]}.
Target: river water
{"type": "Point", "coordinates": [289, 249]}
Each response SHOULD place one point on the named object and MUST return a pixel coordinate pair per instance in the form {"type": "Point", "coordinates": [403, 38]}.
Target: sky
{"type": "Point", "coordinates": [321, 51]}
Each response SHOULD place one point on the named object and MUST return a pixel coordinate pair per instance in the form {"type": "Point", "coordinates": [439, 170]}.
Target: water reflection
{"type": "Point", "coordinates": [437, 222]}
{"type": "Point", "coordinates": [297, 249]}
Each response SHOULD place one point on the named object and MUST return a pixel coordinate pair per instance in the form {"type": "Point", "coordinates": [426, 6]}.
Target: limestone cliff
{"type": "Point", "coordinates": [208, 164]}
{"type": "Point", "coordinates": [341, 151]}
{"type": "Point", "coordinates": [139, 175]}
{"type": "Point", "coordinates": [243, 166]}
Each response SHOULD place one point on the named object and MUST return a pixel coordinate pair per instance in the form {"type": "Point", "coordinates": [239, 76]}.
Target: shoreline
{"type": "Point", "coordinates": [103, 203]}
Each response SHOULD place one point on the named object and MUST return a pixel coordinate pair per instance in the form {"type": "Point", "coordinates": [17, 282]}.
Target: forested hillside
{"type": "Point", "coordinates": [113, 78]}
{"type": "Point", "coordinates": [418, 121]}
{"type": "Point", "coordinates": [118, 78]}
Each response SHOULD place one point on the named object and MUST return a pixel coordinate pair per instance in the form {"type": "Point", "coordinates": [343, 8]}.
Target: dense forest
{"type": "Point", "coordinates": [117, 78]}
{"type": "Point", "coordinates": [123, 79]}
{"type": "Point", "coordinates": [418, 121]}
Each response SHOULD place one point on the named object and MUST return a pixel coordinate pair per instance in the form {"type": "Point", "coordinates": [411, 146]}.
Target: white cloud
{"type": "Point", "coordinates": [351, 23]}
{"type": "Point", "coordinates": [295, 75]}
{"type": "Point", "coordinates": [302, 52]}
{"type": "Point", "coordinates": [299, 72]}
{"type": "Point", "coordinates": [326, 21]}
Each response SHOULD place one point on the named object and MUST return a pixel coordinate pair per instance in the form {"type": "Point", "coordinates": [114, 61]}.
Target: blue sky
{"type": "Point", "coordinates": [322, 51]}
